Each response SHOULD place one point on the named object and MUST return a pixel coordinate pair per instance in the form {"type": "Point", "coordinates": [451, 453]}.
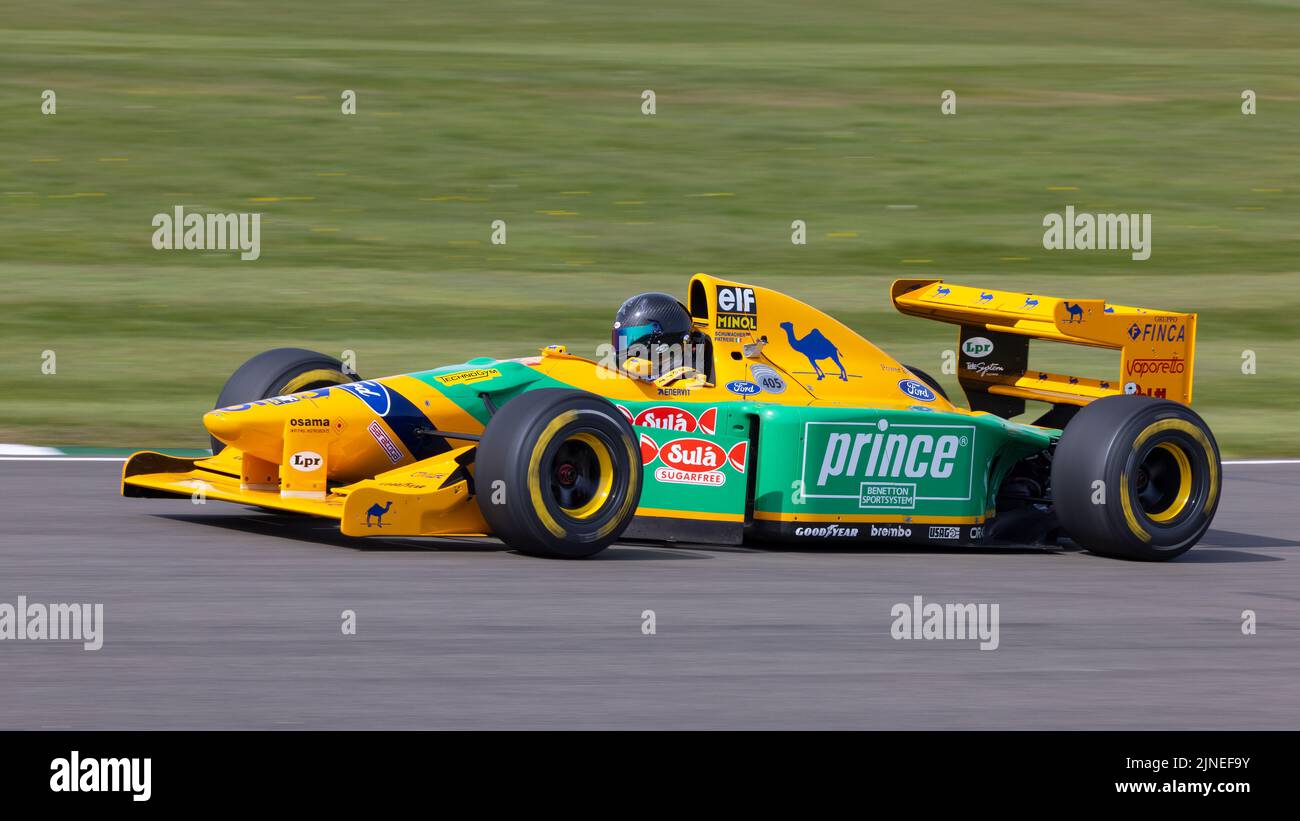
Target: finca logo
{"type": "Point", "coordinates": [179, 231]}
{"type": "Point", "coordinates": [1162, 330]}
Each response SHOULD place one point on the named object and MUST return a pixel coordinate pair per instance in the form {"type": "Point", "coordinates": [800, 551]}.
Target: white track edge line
{"type": "Point", "coordinates": [62, 458]}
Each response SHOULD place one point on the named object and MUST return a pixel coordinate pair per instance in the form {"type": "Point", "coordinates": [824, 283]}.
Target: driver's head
{"type": "Point", "coordinates": [647, 325]}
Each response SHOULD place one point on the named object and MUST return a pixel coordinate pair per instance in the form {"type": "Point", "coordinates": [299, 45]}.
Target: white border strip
{"type": "Point", "coordinates": [28, 450]}
{"type": "Point", "coordinates": [62, 458]}
{"type": "Point", "coordinates": [1264, 462]}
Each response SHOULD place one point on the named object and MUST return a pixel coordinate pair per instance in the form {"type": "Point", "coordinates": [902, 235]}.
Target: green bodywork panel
{"type": "Point", "coordinates": [829, 461]}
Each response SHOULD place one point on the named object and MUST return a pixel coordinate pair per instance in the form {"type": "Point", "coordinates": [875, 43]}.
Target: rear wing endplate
{"type": "Point", "coordinates": [1156, 347]}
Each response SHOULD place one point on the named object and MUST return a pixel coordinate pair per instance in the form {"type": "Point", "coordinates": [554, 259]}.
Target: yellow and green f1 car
{"type": "Point", "coordinates": [739, 415]}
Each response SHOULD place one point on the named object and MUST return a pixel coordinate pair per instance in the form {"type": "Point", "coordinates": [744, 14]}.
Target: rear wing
{"type": "Point", "coordinates": [1157, 347]}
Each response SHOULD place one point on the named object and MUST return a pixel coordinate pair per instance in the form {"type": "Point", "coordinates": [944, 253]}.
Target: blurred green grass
{"type": "Point", "coordinates": [530, 112]}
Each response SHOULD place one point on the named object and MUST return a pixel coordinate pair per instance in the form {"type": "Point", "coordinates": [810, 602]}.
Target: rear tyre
{"type": "Point", "coordinates": [1159, 472]}
{"type": "Point", "coordinates": [278, 372]}
{"type": "Point", "coordinates": [929, 380]}
{"type": "Point", "coordinates": [558, 473]}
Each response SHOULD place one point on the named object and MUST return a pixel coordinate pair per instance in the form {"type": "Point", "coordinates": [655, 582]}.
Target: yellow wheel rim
{"type": "Point", "coordinates": [604, 477]}
{"type": "Point", "coordinates": [1184, 491]}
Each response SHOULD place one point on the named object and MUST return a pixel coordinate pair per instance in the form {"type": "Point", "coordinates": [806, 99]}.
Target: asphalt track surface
{"type": "Point", "coordinates": [223, 617]}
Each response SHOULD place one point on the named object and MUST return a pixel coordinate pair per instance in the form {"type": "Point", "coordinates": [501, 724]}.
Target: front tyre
{"type": "Point", "coordinates": [558, 473]}
{"type": "Point", "coordinates": [1137, 478]}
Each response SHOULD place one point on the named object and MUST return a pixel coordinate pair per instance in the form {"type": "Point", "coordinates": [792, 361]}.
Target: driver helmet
{"type": "Point", "coordinates": [649, 325]}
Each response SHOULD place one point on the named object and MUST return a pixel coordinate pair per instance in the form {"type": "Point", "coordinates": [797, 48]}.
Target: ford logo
{"type": "Point", "coordinates": [916, 390]}
{"type": "Point", "coordinates": [744, 388]}
{"type": "Point", "coordinates": [372, 393]}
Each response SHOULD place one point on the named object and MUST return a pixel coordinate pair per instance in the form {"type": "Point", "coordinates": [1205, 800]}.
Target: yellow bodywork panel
{"type": "Point", "coordinates": [828, 360]}
{"type": "Point", "coordinates": [1156, 346]}
{"type": "Point", "coordinates": [427, 498]}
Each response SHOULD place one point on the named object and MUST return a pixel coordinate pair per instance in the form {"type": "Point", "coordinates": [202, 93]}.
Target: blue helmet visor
{"type": "Point", "coordinates": [629, 335]}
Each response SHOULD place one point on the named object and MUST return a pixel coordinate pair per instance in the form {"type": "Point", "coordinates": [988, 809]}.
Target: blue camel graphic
{"type": "Point", "coordinates": [377, 512]}
{"type": "Point", "coordinates": [1075, 311]}
{"type": "Point", "coordinates": [815, 346]}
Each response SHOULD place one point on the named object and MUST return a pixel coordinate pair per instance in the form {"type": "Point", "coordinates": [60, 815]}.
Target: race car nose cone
{"type": "Point", "coordinates": [225, 426]}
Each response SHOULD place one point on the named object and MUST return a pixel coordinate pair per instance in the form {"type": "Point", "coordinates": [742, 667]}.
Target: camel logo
{"type": "Point", "coordinates": [942, 291]}
{"type": "Point", "coordinates": [1030, 303]}
{"type": "Point", "coordinates": [1074, 312]}
{"type": "Point", "coordinates": [737, 308]}
{"type": "Point", "coordinates": [864, 460]}
{"type": "Point", "coordinates": [377, 513]}
{"type": "Point", "coordinates": [986, 297]}
{"type": "Point", "coordinates": [816, 347]}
